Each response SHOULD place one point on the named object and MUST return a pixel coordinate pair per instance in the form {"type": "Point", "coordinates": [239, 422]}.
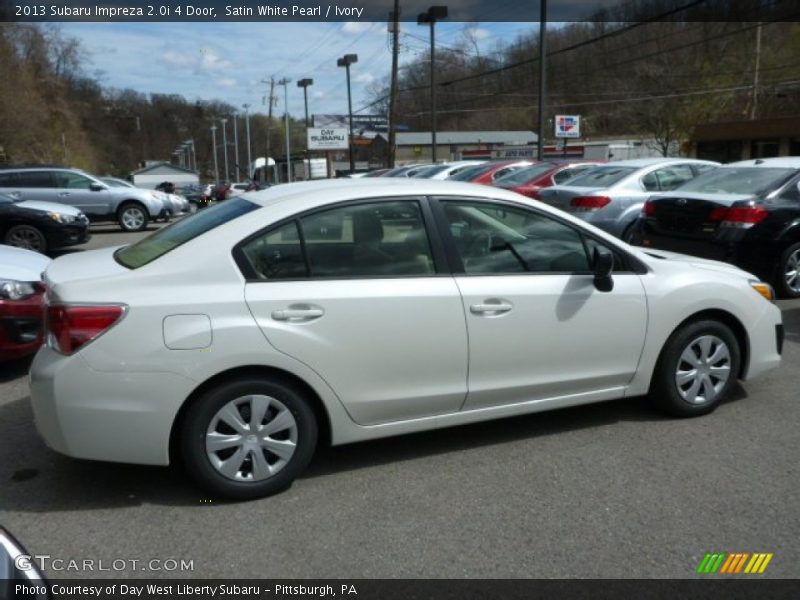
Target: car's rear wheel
{"type": "Point", "coordinates": [26, 236]}
{"type": "Point", "coordinates": [132, 216]}
{"type": "Point", "coordinates": [248, 438]}
{"type": "Point", "coordinates": [697, 369]}
{"type": "Point", "coordinates": [788, 279]}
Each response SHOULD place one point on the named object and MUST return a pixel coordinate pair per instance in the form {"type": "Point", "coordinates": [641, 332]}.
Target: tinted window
{"type": "Point", "coordinates": [162, 241]}
{"type": "Point", "coordinates": [493, 239]}
{"type": "Point", "coordinates": [380, 239]}
{"type": "Point", "coordinates": [525, 175]}
{"type": "Point", "coordinates": [73, 181]}
{"type": "Point", "coordinates": [602, 176]}
{"type": "Point", "coordinates": [567, 174]}
{"type": "Point", "coordinates": [34, 179]}
{"type": "Point", "coordinates": [470, 173]}
{"type": "Point", "coordinates": [673, 176]}
{"type": "Point", "coordinates": [739, 180]}
{"type": "Point", "coordinates": [791, 193]}
{"type": "Point", "coordinates": [8, 179]}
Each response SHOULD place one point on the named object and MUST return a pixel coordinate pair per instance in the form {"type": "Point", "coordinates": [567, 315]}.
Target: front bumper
{"type": "Point", "coordinates": [68, 235]}
{"type": "Point", "coordinates": [110, 416]}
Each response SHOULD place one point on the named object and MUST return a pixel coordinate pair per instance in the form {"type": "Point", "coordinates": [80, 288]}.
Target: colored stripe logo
{"type": "Point", "coordinates": [734, 563]}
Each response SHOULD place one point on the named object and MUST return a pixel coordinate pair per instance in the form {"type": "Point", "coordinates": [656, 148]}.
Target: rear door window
{"type": "Point", "coordinates": [34, 179]}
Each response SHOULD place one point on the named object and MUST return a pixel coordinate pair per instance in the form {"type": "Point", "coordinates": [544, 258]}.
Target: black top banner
{"type": "Point", "coordinates": [410, 10]}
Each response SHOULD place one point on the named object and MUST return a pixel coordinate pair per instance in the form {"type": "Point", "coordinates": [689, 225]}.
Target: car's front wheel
{"type": "Point", "coordinates": [132, 216]}
{"type": "Point", "coordinates": [248, 438]}
{"type": "Point", "coordinates": [697, 368]}
{"type": "Point", "coordinates": [26, 236]}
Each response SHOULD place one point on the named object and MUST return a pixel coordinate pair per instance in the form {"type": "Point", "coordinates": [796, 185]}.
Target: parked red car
{"type": "Point", "coordinates": [488, 173]}
{"type": "Point", "coordinates": [21, 307]}
{"type": "Point", "coordinates": [530, 180]}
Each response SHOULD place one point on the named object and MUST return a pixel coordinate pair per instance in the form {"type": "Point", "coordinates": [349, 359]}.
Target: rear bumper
{"type": "Point", "coordinates": [109, 416]}
{"type": "Point", "coordinates": [20, 327]}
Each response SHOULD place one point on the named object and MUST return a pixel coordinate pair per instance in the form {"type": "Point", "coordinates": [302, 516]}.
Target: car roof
{"type": "Point", "coordinates": [649, 162]}
{"type": "Point", "coordinates": [780, 162]}
{"type": "Point", "coordinates": [327, 191]}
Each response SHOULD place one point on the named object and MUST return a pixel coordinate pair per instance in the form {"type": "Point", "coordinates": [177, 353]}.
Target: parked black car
{"type": "Point", "coordinates": [41, 226]}
{"type": "Point", "coordinates": [746, 213]}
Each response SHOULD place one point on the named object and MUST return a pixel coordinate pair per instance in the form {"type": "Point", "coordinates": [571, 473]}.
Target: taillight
{"type": "Point", "coordinates": [649, 208]}
{"type": "Point", "coordinates": [69, 327]}
{"type": "Point", "coordinates": [741, 217]}
{"type": "Point", "coordinates": [589, 202]}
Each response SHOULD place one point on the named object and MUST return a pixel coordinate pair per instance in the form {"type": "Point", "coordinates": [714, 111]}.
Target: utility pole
{"type": "Point", "coordinates": [430, 17]}
{"type": "Point", "coordinates": [756, 73]}
{"type": "Point", "coordinates": [304, 83]}
{"type": "Point", "coordinates": [225, 147]}
{"type": "Point", "coordinates": [235, 147]}
{"type": "Point", "coordinates": [246, 108]}
{"type": "Point", "coordinates": [214, 149]}
{"type": "Point", "coordinates": [394, 28]}
{"type": "Point", "coordinates": [542, 72]}
{"type": "Point", "coordinates": [285, 83]}
{"type": "Point", "coordinates": [270, 101]}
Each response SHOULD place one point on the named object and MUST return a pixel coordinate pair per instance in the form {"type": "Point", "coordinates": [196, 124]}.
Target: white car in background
{"type": "Point", "coordinates": [359, 309]}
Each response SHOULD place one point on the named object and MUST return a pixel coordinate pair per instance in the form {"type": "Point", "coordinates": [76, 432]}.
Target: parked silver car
{"type": "Point", "coordinates": [611, 196]}
{"type": "Point", "coordinates": [131, 207]}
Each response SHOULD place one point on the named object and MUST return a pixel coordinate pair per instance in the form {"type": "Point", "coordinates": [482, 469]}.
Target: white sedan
{"type": "Point", "coordinates": [359, 309]}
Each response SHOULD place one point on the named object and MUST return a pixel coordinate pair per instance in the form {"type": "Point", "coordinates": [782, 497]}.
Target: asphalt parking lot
{"type": "Point", "coordinates": [610, 490]}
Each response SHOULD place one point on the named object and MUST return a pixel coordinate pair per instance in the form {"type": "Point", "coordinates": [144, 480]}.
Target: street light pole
{"type": "Point", "coordinates": [430, 17]}
{"type": "Point", "coordinates": [246, 108]}
{"type": "Point", "coordinates": [304, 83]}
{"type": "Point", "coordinates": [214, 148]}
{"type": "Point", "coordinates": [542, 73]}
{"type": "Point", "coordinates": [346, 61]}
{"type": "Point", "coordinates": [225, 147]}
{"type": "Point", "coordinates": [285, 83]}
{"type": "Point", "coordinates": [235, 147]}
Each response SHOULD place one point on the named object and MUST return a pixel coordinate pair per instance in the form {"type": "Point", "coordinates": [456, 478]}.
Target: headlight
{"type": "Point", "coordinates": [16, 290]}
{"type": "Point", "coordinates": [61, 217]}
{"type": "Point", "coordinates": [764, 289]}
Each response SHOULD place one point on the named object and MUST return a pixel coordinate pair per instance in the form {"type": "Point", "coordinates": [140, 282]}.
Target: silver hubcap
{"type": "Point", "coordinates": [132, 218]}
{"type": "Point", "coordinates": [25, 237]}
{"type": "Point", "coordinates": [703, 369]}
{"type": "Point", "coordinates": [251, 438]}
{"type": "Point", "coordinates": [792, 273]}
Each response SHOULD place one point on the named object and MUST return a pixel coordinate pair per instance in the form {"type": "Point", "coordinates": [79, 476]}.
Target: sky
{"type": "Point", "coordinates": [230, 61]}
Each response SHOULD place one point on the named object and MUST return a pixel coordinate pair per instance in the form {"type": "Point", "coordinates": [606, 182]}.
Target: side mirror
{"type": "Point", "coordinates": [602, 265]}
{"type": "Point", "coordinates": [97, 187]}
{"type": "Point", "coordinates": [17, 567]}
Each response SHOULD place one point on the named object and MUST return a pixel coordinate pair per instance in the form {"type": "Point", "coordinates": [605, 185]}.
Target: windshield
{"type": "Point", "coordinates": [738, 180]}
{"type": "Point", "coordinates": [601, 177]}
{"type": "Point", "coordinates": [170, 237]}
{"type": "Point", "coordinates": [470, 173]}
{"type": "Point", "coordinates": [525, 175]}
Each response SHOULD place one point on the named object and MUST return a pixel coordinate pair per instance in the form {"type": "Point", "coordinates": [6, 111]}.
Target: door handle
{"type": "Point", "coordinates": [297, 314]}
{"type": "Point", "coordinates": [494, 308]}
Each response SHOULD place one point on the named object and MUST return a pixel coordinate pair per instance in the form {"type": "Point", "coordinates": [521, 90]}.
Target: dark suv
{"type": "Point", "coordinates": [746, 213]}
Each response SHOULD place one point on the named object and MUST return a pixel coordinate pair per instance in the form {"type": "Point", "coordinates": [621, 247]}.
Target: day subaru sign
{"type": "Point", "coordinates": [568, 126]}
{"type": "Point", "coordinates": [327, 138]}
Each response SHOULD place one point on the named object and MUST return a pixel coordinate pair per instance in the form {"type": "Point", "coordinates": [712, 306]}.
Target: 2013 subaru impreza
{"type": "Point", "coordinates": [234, 339]}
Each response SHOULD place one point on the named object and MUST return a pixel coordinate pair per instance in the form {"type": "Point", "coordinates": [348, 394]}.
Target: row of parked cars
{"type": "Point", "coordinates": [43, 208]}
{"type": "Point", "coordinates": [746, 213]}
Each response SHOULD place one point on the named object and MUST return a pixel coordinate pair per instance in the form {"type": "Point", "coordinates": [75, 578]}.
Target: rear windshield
{"type": "Point", "coordinates": [429, 171]}
{"type": "Point", "coordinates": [162, 241]}
{"type": "Point", "coordinates": [601, 177]}
{"type": "Point", "coordinates": [471, 172]}
{"type": "Point", "coordinates": [524, 175]}
{"type": "Point", "coordinates": [738, 180]}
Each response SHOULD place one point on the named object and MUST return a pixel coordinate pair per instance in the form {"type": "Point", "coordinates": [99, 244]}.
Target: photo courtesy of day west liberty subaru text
{"type": "Point", "coordinates": [378, 10]}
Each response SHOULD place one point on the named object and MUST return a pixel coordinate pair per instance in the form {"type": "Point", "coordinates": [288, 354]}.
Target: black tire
{"type": "Point", "coordinates": [132, 216]}
{"type": "Point", "coordinates": [199, 418]}
{"type": "Point", "coordinates": [664, 390]}
{"type": "Point", "coordinates": [26, 236]}
{"type": "Point", "coordinates": [781, 283]}
{"type": "Point", "coordinates": [631, 234]}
